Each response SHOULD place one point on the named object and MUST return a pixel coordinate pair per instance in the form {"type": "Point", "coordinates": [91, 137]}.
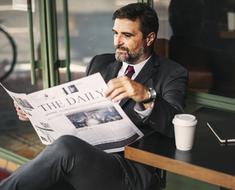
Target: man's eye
{"type": "Point", "coordinates": [127, 35]}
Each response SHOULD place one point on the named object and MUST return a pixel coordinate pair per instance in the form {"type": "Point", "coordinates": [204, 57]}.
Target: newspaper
{"type": "Point", "coordinates": [78, 108]}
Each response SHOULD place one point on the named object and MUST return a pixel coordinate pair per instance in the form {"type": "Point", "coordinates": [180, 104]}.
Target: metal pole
{"type": "Point", "coordinates": [50, 33]}
{"type": "Point", "coordinates": [67, 40]}
{"type": "Point", "coordinates": [31, 39]}
{"type": "Point", "coordinates": [43, 44]}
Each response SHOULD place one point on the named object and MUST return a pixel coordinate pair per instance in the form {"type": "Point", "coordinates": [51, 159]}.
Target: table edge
{"type": "Point", "coordinates": [180, 167]}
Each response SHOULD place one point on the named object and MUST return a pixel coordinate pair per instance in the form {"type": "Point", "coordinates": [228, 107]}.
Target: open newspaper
{"type": "Point", "coordinates": [78, 108]}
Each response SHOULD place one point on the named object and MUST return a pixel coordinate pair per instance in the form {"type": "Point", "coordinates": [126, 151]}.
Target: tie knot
{"type": "Point", "coordinates": [130, 71]}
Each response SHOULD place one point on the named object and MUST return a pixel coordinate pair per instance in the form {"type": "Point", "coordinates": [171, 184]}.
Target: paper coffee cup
{"type": "Point", "coordinates": [184, 127]}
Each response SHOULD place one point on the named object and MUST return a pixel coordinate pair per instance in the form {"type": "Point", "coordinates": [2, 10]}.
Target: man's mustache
{"type": "Point", "coordinates": [121, 48]}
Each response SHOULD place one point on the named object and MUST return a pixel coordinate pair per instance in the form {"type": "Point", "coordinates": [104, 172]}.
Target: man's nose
{"type": "Point", "coordinates": [118, 40]}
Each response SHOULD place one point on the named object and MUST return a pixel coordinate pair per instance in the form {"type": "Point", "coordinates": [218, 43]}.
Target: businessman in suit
{"type": "Point", "coordinates": [150, 89]}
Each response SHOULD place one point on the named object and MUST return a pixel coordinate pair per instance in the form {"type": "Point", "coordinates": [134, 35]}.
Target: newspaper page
{"type": "Point", "coordinates": [78, 108]}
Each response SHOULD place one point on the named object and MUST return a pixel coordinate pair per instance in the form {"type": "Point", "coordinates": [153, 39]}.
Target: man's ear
{"type": "Point", "coordinates": [150, 38]}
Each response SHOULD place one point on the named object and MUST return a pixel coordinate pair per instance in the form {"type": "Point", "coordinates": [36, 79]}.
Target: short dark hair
{"type": "Point", "coordinates": [147, 16]}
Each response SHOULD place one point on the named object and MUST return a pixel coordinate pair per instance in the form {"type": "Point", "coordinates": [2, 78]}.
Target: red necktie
{"type": "Point", "coordinates": [130, 71]}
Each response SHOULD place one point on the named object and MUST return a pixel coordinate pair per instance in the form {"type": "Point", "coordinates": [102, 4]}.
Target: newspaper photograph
{"type": "Point", "coordinates": [78, 108]}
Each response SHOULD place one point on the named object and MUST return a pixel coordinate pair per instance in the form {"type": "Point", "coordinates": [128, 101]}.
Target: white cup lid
{"type": "Point", "coordinates": [184, 120]}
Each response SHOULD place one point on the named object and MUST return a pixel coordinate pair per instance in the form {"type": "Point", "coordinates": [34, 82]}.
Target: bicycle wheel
{"type": "Point", "coordinates": [8, 54]}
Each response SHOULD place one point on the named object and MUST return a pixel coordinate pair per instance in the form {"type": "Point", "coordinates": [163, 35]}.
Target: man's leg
{"type": "Point", "coordinates": [74, 161]}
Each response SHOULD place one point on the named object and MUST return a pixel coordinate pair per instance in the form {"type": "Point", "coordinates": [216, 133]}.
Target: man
{"type": "Point", "coordinates": [150, 97]}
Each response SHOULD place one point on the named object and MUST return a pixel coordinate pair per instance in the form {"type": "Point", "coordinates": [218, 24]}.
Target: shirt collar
{"type": "Point", "coordinates": [137, 67]}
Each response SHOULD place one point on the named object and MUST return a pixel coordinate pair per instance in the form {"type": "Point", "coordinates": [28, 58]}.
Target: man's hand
{"type": "Point", "coordinates": [123, 87]}
{"type": "Point", "coordinates": [22, 116]}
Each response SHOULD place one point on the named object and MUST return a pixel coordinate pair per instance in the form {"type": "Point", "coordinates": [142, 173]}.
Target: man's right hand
{"type": "Point", "coordinates": [21, 114]}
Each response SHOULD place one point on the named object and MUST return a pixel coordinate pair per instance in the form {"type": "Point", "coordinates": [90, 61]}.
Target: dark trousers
{"type": "Point", "coordinates": [70, 163]}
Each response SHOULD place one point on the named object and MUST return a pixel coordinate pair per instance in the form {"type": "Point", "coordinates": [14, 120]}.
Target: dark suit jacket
{"type": "Point", "coordinates": [168, 78]}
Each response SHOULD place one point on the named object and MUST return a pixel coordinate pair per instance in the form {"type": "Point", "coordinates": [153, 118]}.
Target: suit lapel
{"type": "Point", "coordinates": [147, 71]}
{"type": "Point", "coordinates": [112, 70]}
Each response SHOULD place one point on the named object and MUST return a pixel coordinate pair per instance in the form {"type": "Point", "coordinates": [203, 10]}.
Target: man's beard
{"type": "Point", "coordinates": [127, 56]}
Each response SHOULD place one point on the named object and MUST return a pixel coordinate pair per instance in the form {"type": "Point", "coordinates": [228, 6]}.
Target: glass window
{"type": "Point", "coordinates": [90, 25]}
{"type": "Point", "coordinates": [203, 41]}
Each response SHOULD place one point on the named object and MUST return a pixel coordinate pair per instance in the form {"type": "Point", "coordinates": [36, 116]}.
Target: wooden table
{"type": "Point", "coordinates": [208, 161]}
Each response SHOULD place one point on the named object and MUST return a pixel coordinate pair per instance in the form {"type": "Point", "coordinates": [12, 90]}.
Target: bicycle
{"type": "Point", "coordinates": [8, 53]}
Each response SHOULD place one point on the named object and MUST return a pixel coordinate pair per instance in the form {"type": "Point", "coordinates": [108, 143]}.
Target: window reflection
{"type": "Point", "coordinates": [202, 43]}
